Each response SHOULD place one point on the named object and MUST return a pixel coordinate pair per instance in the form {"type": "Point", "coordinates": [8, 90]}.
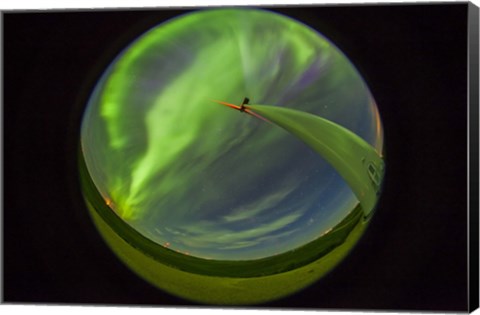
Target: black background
{"type": "Point", "coordinates": [414, 254]}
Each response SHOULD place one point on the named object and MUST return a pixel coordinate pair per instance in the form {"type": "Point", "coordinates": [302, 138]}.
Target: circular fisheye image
{"type": "Point", "coordinates": [231, 156]}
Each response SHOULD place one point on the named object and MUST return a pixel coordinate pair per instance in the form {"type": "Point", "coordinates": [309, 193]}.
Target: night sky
{"type": "Point", "coordinates": [203, 179]}
{"type": "Point", "coordinates": [413, 256]}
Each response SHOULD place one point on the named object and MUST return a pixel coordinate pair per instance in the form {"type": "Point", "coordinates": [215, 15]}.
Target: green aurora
{"type": "Point", "coordinates": [206, 182]}
{"type": "Point", "coordinates": [358, 162]}
{"type": "Point", "coordinates": [158, 150]}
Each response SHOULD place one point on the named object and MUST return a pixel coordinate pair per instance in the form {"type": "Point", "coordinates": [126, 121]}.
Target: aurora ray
{"type": "Point", "coordinates": [357, 161]}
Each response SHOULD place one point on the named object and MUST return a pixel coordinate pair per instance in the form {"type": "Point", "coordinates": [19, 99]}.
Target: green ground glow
{"type": "Point", "coordinates": [224, 290]}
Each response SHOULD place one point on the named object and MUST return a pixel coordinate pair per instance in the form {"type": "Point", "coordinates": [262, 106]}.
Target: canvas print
{"type": "Point", "coordinates": [276, 157]}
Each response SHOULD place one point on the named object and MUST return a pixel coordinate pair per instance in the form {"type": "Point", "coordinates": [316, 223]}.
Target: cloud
{"type": "Point", "coordinates": [207, 234]}
{"type": "Point", "coordinates": [174, 231]}
{"type": "Point", "coordinates": [260, 205]}
{"type": "Point", "coordinates": [239, 245]}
